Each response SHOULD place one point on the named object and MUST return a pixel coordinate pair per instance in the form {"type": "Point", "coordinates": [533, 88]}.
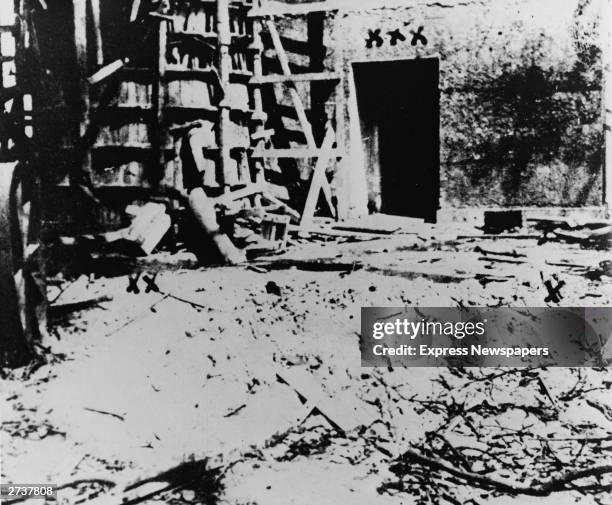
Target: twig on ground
{"type": "Point", "coordinates": [104, 412]}
{"type": "Point", "coordinates": [235, 411]}
{"type": "Point", "coordinates": [534, 489]}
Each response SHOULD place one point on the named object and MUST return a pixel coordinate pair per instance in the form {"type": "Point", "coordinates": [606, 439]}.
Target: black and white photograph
{"type": "Point", "coordinates": [306, 252]}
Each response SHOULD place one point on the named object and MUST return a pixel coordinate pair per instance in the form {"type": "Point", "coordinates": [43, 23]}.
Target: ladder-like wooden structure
{"type": "Point", "coordinates": [242, 37]}
{"type": "Point", "coordinates": [265, 17]}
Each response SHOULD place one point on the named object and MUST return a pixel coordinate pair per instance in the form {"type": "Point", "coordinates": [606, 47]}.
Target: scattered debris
{"type": "Point", "coordinates": [534, 488]}
{"type": "Point", "coordinates": [149, 225]}
{"type": "Point", "coordinates": [588, 233]}
{"type": "Point", "coordinates": [599, 237]}
{"type": "Point", "coordinates": [315, 265]}
{"type": "Point", "coordinates": [57, 309]}
{"type": "Point", "coordinates": [275, 228]}
{"type": "Point", "coordinates": [341, 412]}
{"type": "Point", "coordinates": [195, 475]}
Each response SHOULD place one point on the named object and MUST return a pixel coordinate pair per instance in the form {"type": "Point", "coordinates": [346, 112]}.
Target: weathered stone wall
{"type": "Point", "coordinates": [520, 95]}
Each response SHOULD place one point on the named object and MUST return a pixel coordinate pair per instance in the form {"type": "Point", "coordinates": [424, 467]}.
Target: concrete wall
{"type": "Point", "coordinates": [520, 96]}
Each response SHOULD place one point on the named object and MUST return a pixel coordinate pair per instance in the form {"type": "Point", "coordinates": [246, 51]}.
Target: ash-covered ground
{"type": "Point", "coordinates": [252, 373]}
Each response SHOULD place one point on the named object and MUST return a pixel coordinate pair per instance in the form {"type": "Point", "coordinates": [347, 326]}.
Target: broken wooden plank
{"type": "Point", "coordinates": [319, 230]}
{"type": "Point", "coordinates": [341, 412]}
{"type": "Point", "coordinates": [57, 309]}
{"type": "Point", "coordinates": [106, 71]}
{"type": "Point", "coordinates": [318, 265]}
{"type": "Point", "coordinates": [280, 192]}
{"type": "Point", "coordinates": [366, 229]}
{"type": "Point", "coordinates": [567, 264]}
{"type": "Point", "coordinates": [585, 235]}
{"type": "Point", "coordinates": [487, 252]}
{"type": "Point", "coordinates": [485, 279]}
{"type": "Point", "coordinates": [550, 223]}
{"type": "Point", "coordinates": [149, 226]}
{"type": "Point", "coordinates": [501, 260]}
{"type": "Point", "coordinates": [232, 196]}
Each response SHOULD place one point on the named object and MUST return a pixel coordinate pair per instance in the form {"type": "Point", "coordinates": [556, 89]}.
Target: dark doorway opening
{"type": "Point", "coordinates": [399, 112]}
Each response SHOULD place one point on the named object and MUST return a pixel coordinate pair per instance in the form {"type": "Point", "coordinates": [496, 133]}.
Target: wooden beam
{"type": "Point", "coordinates": [224, 39]}
{"type": "Point", "coordinates": [106, 71]}
{"type": "Point", "coordinates": [319, 230]}
{"type": "Point", "coordinates": [80, 43]}
{"type": "Point", "coordinates": [296, 153]}
{"type": "Point", "coordinates": [95, 14]}
{"type": "Point", "coordinates": [319, 91]}
{"type": "Point", "coordinates": [261, 134]}
{"type": "Point", "coordinates": [159, 99]}
{"type": "Point", "coordinates": [307, 77]}
{"type": "Point", "coordinates": [134, 10]}
{"type": "Point", "coordinates": [319, 180]}
{"type": "Point", "coordinates": [175, 71]}
{"type": "Point", "coordinates": [259, 115]}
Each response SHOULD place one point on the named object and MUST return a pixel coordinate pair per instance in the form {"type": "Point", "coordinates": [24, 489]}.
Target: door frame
{"type": "Point", "coordinates": [356, 147]}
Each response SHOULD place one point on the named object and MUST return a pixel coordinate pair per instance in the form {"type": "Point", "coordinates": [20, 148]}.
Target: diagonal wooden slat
{"type": "Point", "coordinates": [301, 112]}
{"type": "Point", "coordinates": [295, 97]}
{"type": "Point", "coordinates": [319, 179]}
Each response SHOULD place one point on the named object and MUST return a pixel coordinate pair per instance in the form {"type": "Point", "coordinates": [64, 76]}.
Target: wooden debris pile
{"type": "Point", "coordinates": [588, 233]}
{"type": "Point", "coordinates": [512, 431]}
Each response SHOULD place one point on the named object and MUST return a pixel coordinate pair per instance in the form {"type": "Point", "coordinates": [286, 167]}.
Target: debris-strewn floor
{"type": "Point", "coordinates": [140, 383]}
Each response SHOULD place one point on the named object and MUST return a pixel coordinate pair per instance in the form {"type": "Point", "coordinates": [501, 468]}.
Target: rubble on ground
{"type": "Point", "coordinates": [268, 350]}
